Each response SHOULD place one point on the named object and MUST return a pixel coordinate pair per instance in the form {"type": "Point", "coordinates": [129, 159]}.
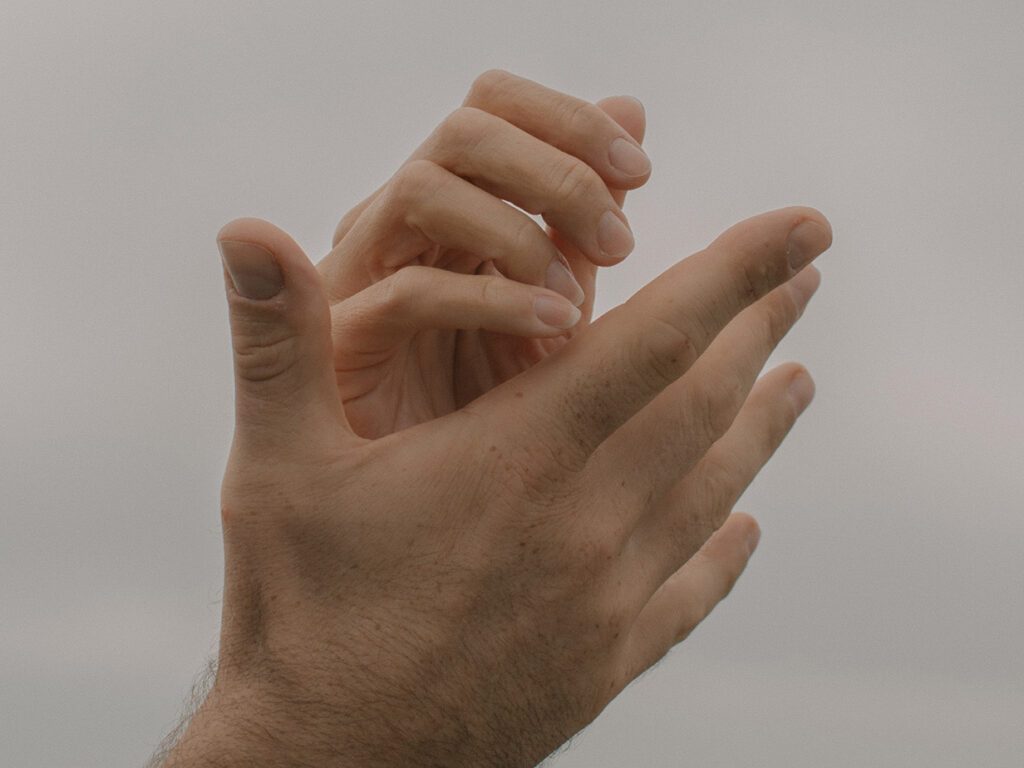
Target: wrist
{"type": "Point", "coordinates": [236, 726]}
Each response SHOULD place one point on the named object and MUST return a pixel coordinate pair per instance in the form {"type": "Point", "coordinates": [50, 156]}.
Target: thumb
{"type": "Point", "coordinates": [285, 390]}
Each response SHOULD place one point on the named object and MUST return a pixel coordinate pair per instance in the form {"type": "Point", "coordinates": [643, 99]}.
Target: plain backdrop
{"type": "Point", "coordinates": [879, 623]}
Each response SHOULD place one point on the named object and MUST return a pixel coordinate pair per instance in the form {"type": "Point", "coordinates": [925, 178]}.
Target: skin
{"type": "Point", "coordinates": [400, 360]}
{"type": "Point", "coordinates": [472, 581]}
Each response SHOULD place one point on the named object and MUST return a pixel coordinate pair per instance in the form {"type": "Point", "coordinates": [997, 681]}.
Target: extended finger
{"type": "Point", "coordinates": [690, 594]}
{"type": "Point", "coordinates": [662, 442]}
{"type": "Point", "coordinates": [367, 327]}
{"type": "Point", "coordinates": [699, 502]}
{"type": "Point", "coordinates": [571, 124]}
{"type": "Point", "coordinates": [280, 335]}
{"type": "Point", "coordinates": [616, 366]}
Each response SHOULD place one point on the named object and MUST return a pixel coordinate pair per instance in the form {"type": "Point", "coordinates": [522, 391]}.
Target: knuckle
{"type": "Point", "coordinates": [487, 83]}
{"type": "Point", "coordinates": [463, 127]}
{"type": "Point", "coordinates": [529, 465]}
{"type": "Point", "coordinates": [759, 272]}
{"type": "Point", "coordinates": [345, 224]}
{"type": "Point", "coordinates": [529, 243]}
{"type": "Point", "coordinates": [398, 290]}
{"type": "Point", "coordinates": [576, 180]}
{"type": "Point", "coordinates": [661, 352]}
{"type": "Point", "coordinates": [578, 116]}
{"type": "Point", "coordinates": [264, 348]}
{"type": "Point", "coordinates": [714, 406]}
{"type": "Point", "coordinates": [717, 489]}
{"type": "Point", "coordinates": [609, 618]}
{"type": "Point", "coordinates": [588, 560]}
{"type": "Point", "coordinates": [595, 552]}
{"type": "Point", "coordinates": [543, 473]}
{"type": "Point", "coordinates": [414, 180]}
{"type": "Point", "coordinates": [488, 289]}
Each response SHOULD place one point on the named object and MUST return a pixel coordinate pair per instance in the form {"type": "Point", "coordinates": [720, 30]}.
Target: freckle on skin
{"type": "Point", "coordinates": [519, 394]}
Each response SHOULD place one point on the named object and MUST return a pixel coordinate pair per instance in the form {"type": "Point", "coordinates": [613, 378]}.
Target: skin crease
{"type": "Point", "coordinates": [471, 582]}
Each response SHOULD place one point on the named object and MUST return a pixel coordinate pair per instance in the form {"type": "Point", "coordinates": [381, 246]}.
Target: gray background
{"type": "Point", "coordinates": [879, 623]}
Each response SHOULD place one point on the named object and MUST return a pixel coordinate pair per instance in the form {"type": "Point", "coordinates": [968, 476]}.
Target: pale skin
{"type": "Point", "coordinates": [456, 525]}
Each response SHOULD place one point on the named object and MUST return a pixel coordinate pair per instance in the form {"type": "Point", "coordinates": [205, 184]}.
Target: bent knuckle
{"type": "Point", "coordinates": [413, 181]}
{"type": "Point", "coordinates": [399, 289]}
{"type": "Point", "coordinates": [575, 180]}
{"type": "Point", "coordinates": [487, 84]}
{"type": "Point", "coordinates": [462, 128]}
{"type": "Point", "coordinates": [488, 291]}
{"type": "Point", "coordinates": [528, 243]}
{"type": "Point", "coordinates": [578, 116]}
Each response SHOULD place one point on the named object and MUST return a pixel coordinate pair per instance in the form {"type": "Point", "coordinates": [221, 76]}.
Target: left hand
{"type": "Point", "coordinates": [424, 319]}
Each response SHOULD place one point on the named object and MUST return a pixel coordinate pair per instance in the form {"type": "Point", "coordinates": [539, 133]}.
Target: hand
{"type": "Point", "coordinates": [475, 589]}
{"type": "Point", "coordinates": [416, 342]}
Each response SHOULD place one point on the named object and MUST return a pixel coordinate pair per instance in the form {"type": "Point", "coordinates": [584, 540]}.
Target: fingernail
{"type": "Point", "coordinates": [613, 237]}
{"type": "Point", "coordinates": [560, 280]}
{"type": "Point", "coordinates": [801, 392]}
{"type": "Point", "coordinates": [803, 286]}
{"type": "Point", "coordinates": [807, 240]}
{"type": "Point", "coordinates": [628, 158]}
{"type": "Point", "coordinates": [556, 312]}
{"type": "Point", "coordinates": [253, 269]}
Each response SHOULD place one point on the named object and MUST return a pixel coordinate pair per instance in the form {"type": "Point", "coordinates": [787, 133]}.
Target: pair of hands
{"type": "Point", "coordinates": [459, 518]}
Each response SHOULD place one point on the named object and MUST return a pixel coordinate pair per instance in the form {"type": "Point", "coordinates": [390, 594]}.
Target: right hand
{"type": "Point", "coordinates": [475, 589]}
{"type": "Point", "coordinates": [423, 319]}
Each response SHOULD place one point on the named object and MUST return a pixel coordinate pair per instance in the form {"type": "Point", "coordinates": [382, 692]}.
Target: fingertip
{"type": "Point", "coordinates": [802, 213]}
{"type": "Point", "coordinates": [628, 112]}
{"type": "Point", "coordinates": [249, 232]}
{"type": "Point", "coordinates": [243, 228]}
{"type": "Point", "coordinates": [749, 529]}
{"type": "Point", "coordinates": [555, 312]}
{"type": "Point", "coordinates": [801, 389]}
{"type": "Point", "coordinates": [261, 233]}
{"type": "Point", "coordinates": [804, 285]}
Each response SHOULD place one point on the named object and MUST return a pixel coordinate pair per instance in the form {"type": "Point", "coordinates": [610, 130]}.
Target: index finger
{"type": "Point", "coordinates": [571, 124]}
{"type": "Point", "coordinates": [596, 382]}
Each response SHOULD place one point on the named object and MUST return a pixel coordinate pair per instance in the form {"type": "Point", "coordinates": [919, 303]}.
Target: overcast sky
{"type": "Point", "coordinates": [880, 621]}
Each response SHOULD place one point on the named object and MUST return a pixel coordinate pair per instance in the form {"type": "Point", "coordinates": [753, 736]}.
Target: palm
{"type": "Point", "coordinates": [436, 372]}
